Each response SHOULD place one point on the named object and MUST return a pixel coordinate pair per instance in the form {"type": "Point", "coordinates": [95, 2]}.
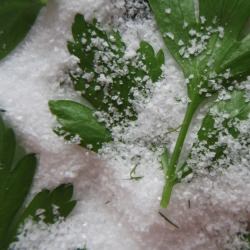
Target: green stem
{"type": "Point", "coordinates": [171, 172]}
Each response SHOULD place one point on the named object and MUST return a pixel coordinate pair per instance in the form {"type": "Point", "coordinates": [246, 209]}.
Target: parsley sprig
{"type": "Point", "coordinates": [212, 51]}
{"type": "Point", "coordinates": [107, 80]}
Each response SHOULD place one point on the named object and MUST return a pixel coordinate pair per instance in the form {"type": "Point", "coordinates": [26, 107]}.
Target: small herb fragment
{"type": "Point", "coordinates": [133, 175]}
{"type": "Point", "coordinates": [168, 220]}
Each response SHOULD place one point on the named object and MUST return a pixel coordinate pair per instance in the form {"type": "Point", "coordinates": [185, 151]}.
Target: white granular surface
{"type": "Point", "coordinates": [113, 212]}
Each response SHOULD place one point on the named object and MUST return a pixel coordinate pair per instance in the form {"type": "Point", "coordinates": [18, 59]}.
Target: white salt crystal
{"type": "Point", "coordinates": [168, 11]}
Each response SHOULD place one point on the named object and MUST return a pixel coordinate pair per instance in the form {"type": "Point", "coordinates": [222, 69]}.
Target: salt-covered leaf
{"type": "Point", "coordinates": [223, 119]}
{"type": "Point", "coordinates": [16, 19]}
{"type": "Point", "coordinates": [152, 62]}
{"type": "Point", "coordinates": [237, 108]}
{"type": "Point", "coordinates": [210, 48]}
{"type": "Point", "coordinates": [172, 17]}
{"type": "Point", "coordinates": [230, 14]}
{"type": "Point", "coordinates": [229, 50]}
{"type": "Point", "coordinates": [78, 121]}
{"type": "Point", "coordinates": [108, 80]}
{"type": "Point", "coordinates": [48, 206]}
{"type": "Point", "coordinates": [16, 176]}
{"type": "Point", "coordinates": [229, 112]}
{"type": "Point", "coordinates": [107, 77]}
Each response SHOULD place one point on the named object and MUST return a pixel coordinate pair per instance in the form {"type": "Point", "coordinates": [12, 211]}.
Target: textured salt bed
{"type": "Point", "coordinates": [113, 212]}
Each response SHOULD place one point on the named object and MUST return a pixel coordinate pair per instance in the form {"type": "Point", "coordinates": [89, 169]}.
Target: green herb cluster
{"type": "Point", "coordinates": [108, 82]}
{"type": "Point", "coordinates": [212, 51]}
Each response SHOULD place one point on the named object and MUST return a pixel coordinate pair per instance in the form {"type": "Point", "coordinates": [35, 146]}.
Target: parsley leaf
{"type": "Point", "coordinates": [107, 79]}
{"type": "Point", "coordinates": [234, 110]}
{"type": "Point", "coordinates": [14, 182]}
{"type": "Point", "coordinates": [77, 119]}
{"type": "Point", "coordinates": [208, 48]}
{"type": "Point", "coordinates": [16, 19]}
{"type": "Point", "coordinates": [237, 108]}
{"type": "Point", "coordinates": [211, 49]}
{"type": "Point", "coordinates": [16, 176]}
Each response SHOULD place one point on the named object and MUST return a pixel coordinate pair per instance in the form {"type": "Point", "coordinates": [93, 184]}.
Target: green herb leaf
{"type": "Point", "coordinates": [16, 176]}
{"type": "Point", "coordinates": [79, 120]}
{"type": "Point", "coordinates": [236, 109]}
{"type": "Point", "coordinates": [171, 17]}
{"type": "Point", "coordinates": [209, 48]}
{"type": "Point", "coordinates": [13, 192]}
{"type": "Point", "coordinates": [107, 79]}
{"type": "Point", "coordinates": [16, 19]}
{"type": "Point", "coordinates": [53, 204]}
{"type": "Point", "coordinates": [47, 206]}
{"type": "Point", "coordinates": [15, 179]}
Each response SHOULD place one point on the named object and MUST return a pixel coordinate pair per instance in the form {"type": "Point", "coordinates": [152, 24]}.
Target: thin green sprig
{"type": "Point", "coordinates": [211, 52]}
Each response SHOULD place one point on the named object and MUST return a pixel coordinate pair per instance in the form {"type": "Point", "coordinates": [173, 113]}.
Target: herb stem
{"type": "Point", "coordinates": [171, 171]}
